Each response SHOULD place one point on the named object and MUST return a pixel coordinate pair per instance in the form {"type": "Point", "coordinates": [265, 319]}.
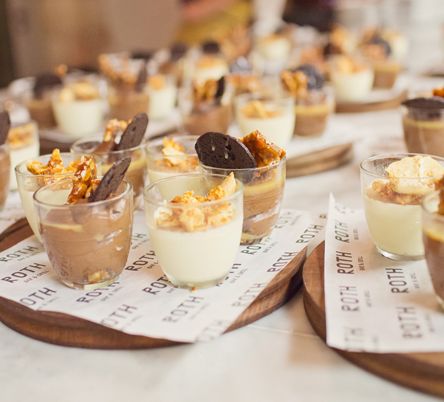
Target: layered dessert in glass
{"type": "Point", "coordinates": [273, 116]}
{"type": "Point", "coordinates": [121, 139]}
{"type": "Point", "coordinates": [86, 224]}
{"type": "Point", "coordinates": [423, 123]}
{"type": "Point", "coordinates": [433, 236]}
{"type": "Point", "coordinates": [195, 235]}
{"type": "Point", "coordinates": [393, 187]}
{"type": "Point", "coordinates": [162, 95]}
{"type": "Point", "coordinates": [259, 165]}
{"type": "Point", "coordinates": [79, 109]}
{"type": "Point", "coordinates": [313, 102]}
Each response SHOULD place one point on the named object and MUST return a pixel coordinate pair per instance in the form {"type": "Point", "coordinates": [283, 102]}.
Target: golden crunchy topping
{"type": "Point", "coordinates": [244, 83]}
{"type": "Point", "coordinates": [85, 180]}
{"type": "Point", "coordinates": [348, 65]}
{"type": "Point", "coordinates": [54, 166]}
{"type": "Point", "coordinates": [191, 216]}
{"type": "Point", "coordinates": [120, 71]}
{"type": "Point", "coordinates": [263, 152]}
{"type": "Point", "coordinates": [383, 190]}
{"type": "Point", "coordinates": [258, 110]}
{"type": "Point", "coordinates": [113, 130]}
{"type": "Point", "coordinates": [21, 136]}
{"type": "Point", "coordinates": [81, 91]}
{"type": "Point", "coordinates": [209, 61]}
{"type": "Point", "coordinates": [157, 81]}
{"type": "Point", "coordinates": [295, 82]}
{"type": "Point", "coordinates": [176, 158]}
{"type": "Point", "coordinates": [204, 92]}
{"type": "Point", "coordinates": [439, 92]}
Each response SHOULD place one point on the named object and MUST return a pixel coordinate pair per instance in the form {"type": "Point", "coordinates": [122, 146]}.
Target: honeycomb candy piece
{"type": "Point", "coordinates": [223, 190]}
{"type": "Point", "coordinates": [439, 92]}
{"type": "Point", "coordinates": [192, 219]}
{"type": "Point", "coordinates": [263, 152]}
{"type": "Point", "coordinates": [53, 167]}
{"type": "Point", "coordinates": [85, 180]}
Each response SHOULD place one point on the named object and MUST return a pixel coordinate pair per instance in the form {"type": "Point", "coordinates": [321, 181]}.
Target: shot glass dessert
{"type": "Point", "coordinates": [313, 102]}
{"type": "Point", "coordinates": [86, 224]}
{"type": "Point", "coordinates": [35, 173]}
{"type": "Point", "coordinates": [423, 123]}
{"type": "Point", "coordinates": [196, 235]}
{"type": "Point", "coordinates": [393, 187]}
{"type": "Point", "coordinates": [121, 140]}
{"type": "Point", "coordinates": [79, 109]}
{"type": "Point", "coordinates": [273, 116]}
{"type": "Point", "coordinates": [260, 167]}
{"type": "Point", "coordinates": [352, 79]}
{"type": "Point", "coordinates": [162, 95]}
{"type": "Point", "coordinates": [433, 236]}
{"type": "Point", "coordinates": [171, 156]}
{"type": "Point", "coordinates": [205, 107]}
{"type": "Point", "coordinates": [127, 79]}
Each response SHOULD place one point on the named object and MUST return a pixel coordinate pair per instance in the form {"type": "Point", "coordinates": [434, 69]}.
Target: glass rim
{"type": "Point", "coordinates": [279, 97]}
{"type": "Point", "coordinates": [27, 173]}
{"type": "Point", "coordinates": [398, 155]}
{"type": "Point", "coordinates": [150, 144]}
{"type": "Point", "coordinates": [128, 190]}
{"type": "Point", "coordinates": [256, 169]}
{"type": "Point", "coordinates": [99, 139]}
{"type": "Point", "coordinates": [166, 203]}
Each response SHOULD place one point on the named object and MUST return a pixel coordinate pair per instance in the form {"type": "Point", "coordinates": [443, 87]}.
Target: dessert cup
{"type": "Point", "coordinates": [394, 217]}
{"type": "Point", "coordinates": [433, 235]}
{"type": "Point", "coordinates": [28, 183]}
{"type": "Point", "coordinates": [125, 101]}
{"type": "Point", "coordinates": [41, 111]}
{"type": "Point", "coordinates": [201, 256]}
{"type": "Point", "coordinates": [263, 192]}
{"type": "Point", "coordinates": [162, 94]}
{"type": "Point", "coordinates": [104, 160]}
{"type": "Point", "coordinates": [274, 47]}
{"type": "Point", "coordinates": [276, 124]}
{"type": "Point", "coordinates": [87, 243]}
{"type": "Point", "coordinates": [5, 168]}
{"type": "Point", "coordinates": [161, 166]}
{"type": "Point", "coordinates": [385, 74]}
{"type": "Point", "coordinates": [423, 129]}
{"type": "Point", "coordinates": [210, 67]}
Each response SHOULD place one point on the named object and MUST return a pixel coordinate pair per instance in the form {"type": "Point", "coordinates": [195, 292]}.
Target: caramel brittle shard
{"type": "Point", "coordinates": [439, 92]}
{"type": "Point", "coordinates": [113, 131]}
{"type": "Point", "coordinates": [85, 180]}
{"type": "Point", "coordinates": [263, 152]}
{"type": "Point", "coordinates": [53, 167]}
{"type": "Point", "coordinates": [295, 82]}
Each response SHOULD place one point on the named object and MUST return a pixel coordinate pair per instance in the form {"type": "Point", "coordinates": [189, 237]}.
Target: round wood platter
{"type": "Point", "coordinates": [421, 371]}
{"type": "Point", "coordinates": [62, 329]}
{"type": "Point", "coordinates": [359, 107]}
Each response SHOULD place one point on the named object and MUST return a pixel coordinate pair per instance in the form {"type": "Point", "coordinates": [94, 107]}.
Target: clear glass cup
{"type": "Point", "coordinates": [394, 218]}
{"type": "Point", "coordinates": [5, 168]}
{"type": "Point", "coordinates": [423, 129]}
{"type": "Point", "coordinates": [161, 167]}
{"type": "Point", "coordinates": [29, 183]}
{"type": "Point", "coordinates": [276, 125]}
{"type": "Point", "coordinates": [104, 160]}
{"type": "Point", "coordinates": [263, 192]}
{"type": "Point", "coordinates": [201, 251]}
{"type": "Point", "coordinates": [87, 243]}
{"type": "Point", "coordinates": [433, 235]}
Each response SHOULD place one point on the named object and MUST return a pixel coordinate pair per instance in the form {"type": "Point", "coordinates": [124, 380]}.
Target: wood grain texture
{"type": "Point", "coordinates": [420, 371]}
{"type": "Point", "coordinates": [62, 329]}
{"type": "Point", "coordinates": [360, 107]}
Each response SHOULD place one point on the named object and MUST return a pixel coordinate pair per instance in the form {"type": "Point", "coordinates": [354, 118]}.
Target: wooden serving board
{"type": "Point", "coordinates": [359, 107]}
{"type": "Point", "coordinates": [62, 329]}
{"type": "Point", "coordinates": [421, 371]}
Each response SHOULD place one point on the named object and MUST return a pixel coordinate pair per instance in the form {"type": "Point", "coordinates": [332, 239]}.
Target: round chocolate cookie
{"type": "Point", "coordinates": [134, 133]}
{"type": "Point", "coordinates": [222, 151]}
{"type": "Point", "coordinates": [5, 125]}
{"type": "Point", "coordinates": [111, 181]}
{"type": "Point", "coordinates": [425, 108]}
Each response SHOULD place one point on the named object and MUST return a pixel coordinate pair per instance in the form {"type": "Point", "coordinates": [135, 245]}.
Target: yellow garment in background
{"type": "Point", "coordinates": [217, 26]}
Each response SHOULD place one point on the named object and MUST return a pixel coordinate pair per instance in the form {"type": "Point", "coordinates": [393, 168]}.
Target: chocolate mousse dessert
{"type": "Point", "coordinates": [39, 104]}
{"type": "Point", "coordinates": [259, 165]}
{"type": "Point", "coordinates": [423, 124]}
{"type": "Point", "coordinates": [209, 110]}
{"type": "Point", "coordinates": [313, 105]}
{"type": "Point", "coordinates": [86, 224]}
{"type": "Point", "coordinates": [5, 164]}
{"type": "Point", "coordinates": [121, 139]}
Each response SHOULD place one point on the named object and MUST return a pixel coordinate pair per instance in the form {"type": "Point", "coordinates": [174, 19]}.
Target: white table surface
{"type": "Point", "coordinates": [278, 358]}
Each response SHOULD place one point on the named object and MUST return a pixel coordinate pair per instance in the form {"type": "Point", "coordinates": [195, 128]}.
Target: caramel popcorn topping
{"type": "Point", "coordinates": [258, 110]}
{"type": "Point", "coordinates": [348, 65]}
{"type": "Point", "coordinates": [175, 157]}
{"type": "Point", "coordinates": [439, 92]}
{"type": "Point", "coordinates": [295, 82]}
{"type": "Point", "coordinates": [191, 216]}
{"type": "Point", "coordinates": [54, 166]}
{"type": "Point", "coordinates": [21, 136]}
{"type": "Point", "coordinates": [263, 152]}
{"type": "Point", "coordinates": [119, 68]}
{"type": "Point", "coordinates": [81, 91]}
{"type": "Point", "coordinates": [244, 83]}
{"type": "Point", "coordinates": [85, 180]}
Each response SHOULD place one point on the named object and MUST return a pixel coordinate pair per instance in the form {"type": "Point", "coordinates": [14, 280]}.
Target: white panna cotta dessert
{"type": "Point", "coordinates": [172, 156]}
{"type": "Point", "coordinates": [79, 109]}
{"type": "Point", "coordinates": [352, 80]}
{"type": "Point", "coordinates": [196, 236]}
{"type": "Point", "coordinates": [274, 118]}
{"type": "Point", "coordinates": [162, 95]}
{"type": "Point", "coordinates": [393, 204]}
{"type": "Point", "coordinates": [210, 67]}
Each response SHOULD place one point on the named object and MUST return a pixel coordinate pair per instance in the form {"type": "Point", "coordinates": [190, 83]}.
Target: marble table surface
{"type": "Point", "coordinates": [278, 358]}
